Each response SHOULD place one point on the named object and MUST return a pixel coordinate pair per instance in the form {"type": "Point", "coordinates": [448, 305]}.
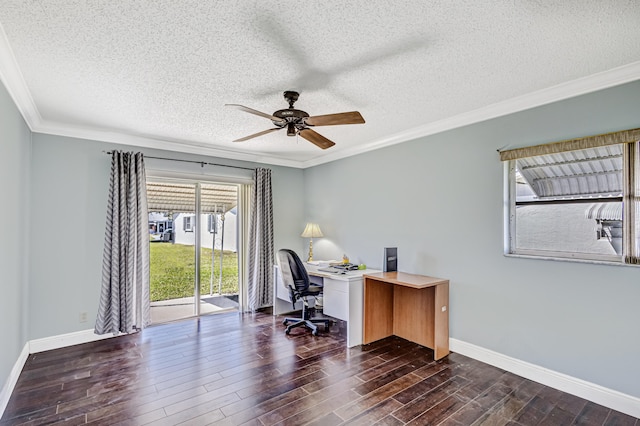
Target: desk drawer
{"type": "Point", "coordinates": [336, 299]}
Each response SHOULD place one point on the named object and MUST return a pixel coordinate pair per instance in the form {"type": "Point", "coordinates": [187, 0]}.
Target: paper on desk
{"type": "Point", "coordinates": [321, 263]}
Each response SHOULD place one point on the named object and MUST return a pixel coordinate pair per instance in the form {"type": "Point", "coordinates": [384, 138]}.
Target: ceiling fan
{"type": "Point", "coordinates": [298, 122]}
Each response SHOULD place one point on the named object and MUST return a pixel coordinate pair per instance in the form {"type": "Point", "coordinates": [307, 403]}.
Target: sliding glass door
{"type": "Point", "coordinates": [194, 249]}
{"type": "Point", "coordinates": [219, 282]}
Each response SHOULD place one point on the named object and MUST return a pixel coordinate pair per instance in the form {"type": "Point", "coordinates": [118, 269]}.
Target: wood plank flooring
{"type": "Point", "coordinates": [230, 369]}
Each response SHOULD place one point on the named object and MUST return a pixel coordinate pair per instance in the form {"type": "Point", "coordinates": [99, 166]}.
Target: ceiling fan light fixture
{"type": "Point", "coordinates": [291, 129]}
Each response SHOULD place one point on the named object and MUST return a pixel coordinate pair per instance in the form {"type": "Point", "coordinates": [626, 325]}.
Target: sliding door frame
{"type": "Point", "coordinates": [244, 186]}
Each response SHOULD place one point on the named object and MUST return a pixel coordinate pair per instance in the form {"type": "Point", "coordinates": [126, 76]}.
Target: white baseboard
{"type": "Point", "coordinates": [7, 389]}
{"type": "Point", "coordinates": [64, 340]}
{"type": "Point", "coordinates": [590, 391]}
{"type": "Point", "coordinates": [41, 345]}
{"type": "Point", "coordinates": [600, 395]}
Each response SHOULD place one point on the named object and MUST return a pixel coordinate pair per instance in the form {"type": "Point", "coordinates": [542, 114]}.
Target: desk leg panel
{"type": "Point", "coordinates": [413, 315]}
{"type": "Point", "coordinates": [378, 310]}
{"type": "Point", "coordinates": [354, 322]}
{"type": "Point", "coordinates": [441, 319]}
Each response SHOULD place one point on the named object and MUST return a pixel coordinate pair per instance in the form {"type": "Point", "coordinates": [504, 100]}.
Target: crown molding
{"type": "Point", "coordinates": [187, 147]}
{"type": "Point", "coordinates": [581, 86]}
{"type": "Point", "coordinates": [13, 80]}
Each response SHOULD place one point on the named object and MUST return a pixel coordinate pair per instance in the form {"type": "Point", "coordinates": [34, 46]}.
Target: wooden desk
{"type": "Point", "coordinates": [414, 307]}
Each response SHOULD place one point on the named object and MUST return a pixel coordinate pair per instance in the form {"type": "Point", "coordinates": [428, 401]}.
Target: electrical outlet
{"type": "Point", "coordinates": [83, 317]}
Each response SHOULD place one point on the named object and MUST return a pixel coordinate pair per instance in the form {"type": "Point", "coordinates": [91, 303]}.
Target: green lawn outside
{"type": "Point", "coordinates": [172, 271]}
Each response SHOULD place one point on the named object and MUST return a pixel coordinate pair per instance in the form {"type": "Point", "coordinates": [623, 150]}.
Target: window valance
{"type": "Point", "coordinates": [624, 136]}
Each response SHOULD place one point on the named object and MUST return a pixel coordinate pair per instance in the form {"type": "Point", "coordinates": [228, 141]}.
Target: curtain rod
{"type": "Point", "coordinates": [202, 163]}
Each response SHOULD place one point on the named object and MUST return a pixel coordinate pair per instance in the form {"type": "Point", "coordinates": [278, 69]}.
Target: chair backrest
{"type": "Point", "coordinates": [294, 275]}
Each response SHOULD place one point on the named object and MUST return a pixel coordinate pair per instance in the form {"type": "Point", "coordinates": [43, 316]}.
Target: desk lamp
{"type": "Point", "coordinates": [311, 231]}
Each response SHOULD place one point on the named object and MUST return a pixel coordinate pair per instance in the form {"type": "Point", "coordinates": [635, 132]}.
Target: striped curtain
{"type": "Point", "coordinates": [260, 274]}
{"type": "Point", "coordinates": [631, 204]}
{"type": "Point", "coordinates": [124, 297]}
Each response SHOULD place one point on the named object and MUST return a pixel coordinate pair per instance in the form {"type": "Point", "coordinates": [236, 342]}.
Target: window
{"type": "Point", "coordinates": [188, 223]}
{"type": "Point", "coordinates": [577, 199]}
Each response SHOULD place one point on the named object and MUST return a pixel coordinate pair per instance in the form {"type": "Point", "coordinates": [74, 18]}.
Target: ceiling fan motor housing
{"type": "Point", "coordinates": [290, 114]}
{"type": "Point", "coordinates": [292, 118]}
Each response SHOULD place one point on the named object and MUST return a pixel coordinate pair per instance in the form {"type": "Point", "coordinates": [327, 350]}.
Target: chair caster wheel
{"type": "Point", "coordinates": [314, 332]}
{"type": "Point", "coordinates": [284, 322]}
{"type": "Point", "coordinates": [287, 331]}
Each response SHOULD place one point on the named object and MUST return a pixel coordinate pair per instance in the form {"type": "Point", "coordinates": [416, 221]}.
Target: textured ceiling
{"type": "Point", "coordinates": [157, 73]}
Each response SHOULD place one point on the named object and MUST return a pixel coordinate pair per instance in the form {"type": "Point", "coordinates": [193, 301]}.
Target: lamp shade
{"type": "Point", "coordinates": [312, 230]}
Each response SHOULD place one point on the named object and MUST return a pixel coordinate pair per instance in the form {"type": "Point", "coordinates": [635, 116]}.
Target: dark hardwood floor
{"type": "Point", "coordinates": [232, 369]}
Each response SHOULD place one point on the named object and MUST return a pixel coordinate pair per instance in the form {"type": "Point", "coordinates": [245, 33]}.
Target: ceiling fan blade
{"type": "Point", "coordinates": [255, 135]}
{"type": "Point", "coordinates": [316, 138]}
{"type": "Point", "coordinates": [254, 112]}
{"type": "Point", "coordinates": [352, 117]}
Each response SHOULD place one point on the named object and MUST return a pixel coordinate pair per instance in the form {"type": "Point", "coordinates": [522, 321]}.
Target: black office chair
{"type": "Point", "coordinates": [296, 280]}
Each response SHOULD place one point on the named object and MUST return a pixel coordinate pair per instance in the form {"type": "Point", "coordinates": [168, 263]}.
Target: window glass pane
{"type": "Point", "coordinates": [567, 228]}
{"type": "Point", "coordinates": [570, 203]}
{"type": "Point", "coordinates": [171, 255]}
{"type": "Point", "coordinates": [586, 173]}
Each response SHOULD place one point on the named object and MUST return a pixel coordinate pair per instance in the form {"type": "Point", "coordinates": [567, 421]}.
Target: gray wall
{"type": "Point", "coordinates": [15, 142]}
{"type": "Point", "coordinates": [439, 199]}
{"type": "Point", "coordinates": [70, 179]}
